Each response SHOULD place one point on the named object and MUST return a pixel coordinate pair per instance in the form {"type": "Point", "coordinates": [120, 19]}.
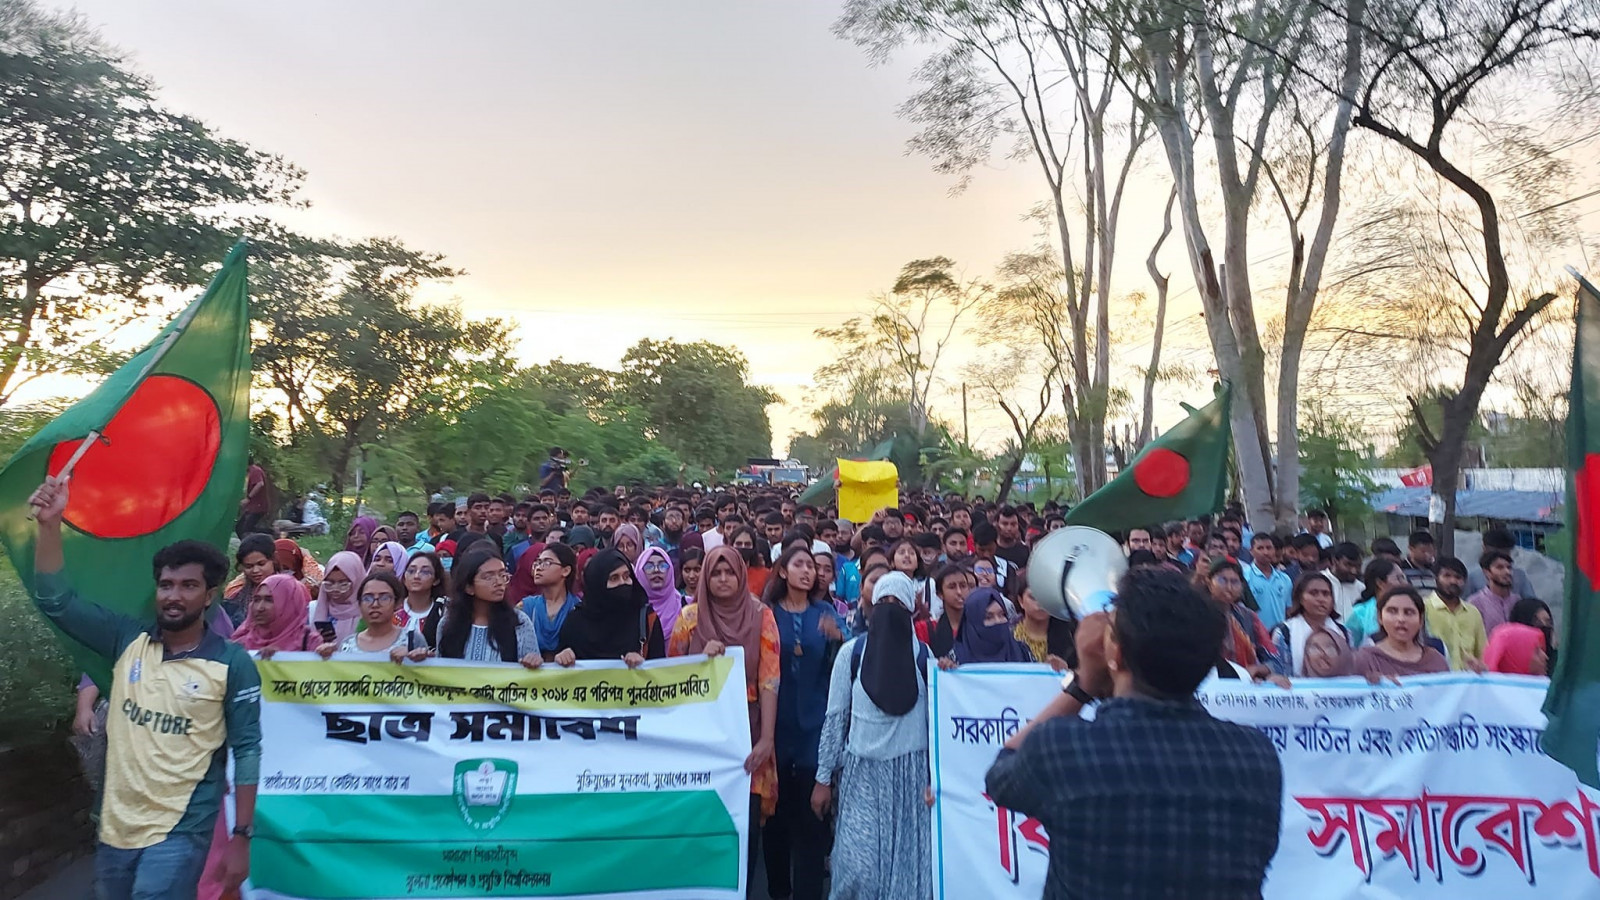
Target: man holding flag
{"type": "Point", "coordinates": [156, 459]}
{"type": "Point", "coordinates": [182, 697]}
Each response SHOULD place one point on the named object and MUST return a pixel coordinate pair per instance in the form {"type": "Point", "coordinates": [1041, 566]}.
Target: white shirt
{"type": "Point", "coordinates": [1344, 595]}
{"type": "Point", "coordinates": [711, 540]}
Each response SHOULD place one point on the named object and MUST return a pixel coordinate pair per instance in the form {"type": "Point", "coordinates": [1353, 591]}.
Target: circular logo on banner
{"type": "Point", "coordinates": [161, 447]}
{"type": "Point", "coordinates": [1162, 473]}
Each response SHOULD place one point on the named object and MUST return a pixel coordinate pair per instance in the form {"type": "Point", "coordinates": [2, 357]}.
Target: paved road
{"type": "Point", "coordinates": [75, 882]}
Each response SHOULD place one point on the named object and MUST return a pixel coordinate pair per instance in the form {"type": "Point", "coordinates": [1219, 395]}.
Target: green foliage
{"type": "Point", "coordinates": [1334, 464]}
{"type": "Point", "coordinates": [698, 402]}
{"type": "Point", "coordinates": [106, 195]}
{"type": "Point", "coordinates": [37, 677]}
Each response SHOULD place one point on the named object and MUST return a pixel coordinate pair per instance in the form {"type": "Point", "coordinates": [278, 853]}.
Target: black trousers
{"type": "Point", "coordinates": [794, 841]}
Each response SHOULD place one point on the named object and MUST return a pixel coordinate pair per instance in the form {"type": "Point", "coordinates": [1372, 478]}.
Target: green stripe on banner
{"type": "Point", "coordinates": [335, 846]}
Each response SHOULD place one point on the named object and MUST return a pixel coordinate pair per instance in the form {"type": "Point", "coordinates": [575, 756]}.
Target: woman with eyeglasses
{"type": "Point", "coordinates": [1247, 642]}
{"type": "Point", "coordinates": [427, 587]}
{"type": "Point", "coordinates": [983, 572]}
{"type": "Point", "coordinates": [379, 596]}
{"type": "Point", "coordinates": [653, 569]}
{"type": "Point", "coordinates": [478, 624]}
{"type": "Point", "coordinates": [555, 576]}
{"type": "Point", "coordinates": [337, 612]}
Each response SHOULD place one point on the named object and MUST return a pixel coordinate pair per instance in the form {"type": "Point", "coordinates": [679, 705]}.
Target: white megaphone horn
{"type": "Point", "coordinates": [1073, 571]}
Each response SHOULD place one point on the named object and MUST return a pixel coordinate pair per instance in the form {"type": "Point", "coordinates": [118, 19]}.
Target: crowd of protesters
{"type": "Point", "coordinates": [838, 622]}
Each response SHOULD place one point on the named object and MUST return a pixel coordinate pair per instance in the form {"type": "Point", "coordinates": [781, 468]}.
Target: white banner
{"type": "Point", "coordinates": [453, 780]}
{"type": "Point", "coordinates": [1435, 788]}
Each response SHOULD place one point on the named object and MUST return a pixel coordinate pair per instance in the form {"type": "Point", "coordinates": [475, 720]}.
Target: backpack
{"type": "Point", "coordinates": [860, 649]}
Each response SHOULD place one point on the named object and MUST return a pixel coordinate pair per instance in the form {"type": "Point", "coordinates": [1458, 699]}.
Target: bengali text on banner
{"type": "Point", "coordinates": [470, 780]}
{"type": "Point", "coordinates": [1434, 788]}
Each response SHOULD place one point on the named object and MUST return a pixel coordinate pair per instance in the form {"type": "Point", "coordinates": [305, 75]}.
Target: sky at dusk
{"type": "Point", "coordinates": [606, 172]}
{"type": "Point", "coordinates": [603, 172]}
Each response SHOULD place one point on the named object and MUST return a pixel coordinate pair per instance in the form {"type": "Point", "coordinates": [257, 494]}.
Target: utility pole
{"type": "Point", "coordinates": [966, 436]}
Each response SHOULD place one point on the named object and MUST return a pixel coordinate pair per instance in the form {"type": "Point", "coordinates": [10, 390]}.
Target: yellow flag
{"type": "Point", "coordinates": [866, 487]}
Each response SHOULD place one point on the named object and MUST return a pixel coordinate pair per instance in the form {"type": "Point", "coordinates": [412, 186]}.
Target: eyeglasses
{"type": "Point", "coordinates": [375, 599]}
{"type": "Point", "coordinates": [501, 575]}
{"type": "Point", "coordinates": [541, 563]}
{"type": "Point", "coordinates": [656, 567]}
{"type": "Point", "coordinates": [337, 586]}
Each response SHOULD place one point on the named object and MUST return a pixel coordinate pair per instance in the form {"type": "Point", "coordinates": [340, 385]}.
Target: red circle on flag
{"type": "Point", "coordinates": [1162, 473]}
{"type": "Point", "coordinates": [160, 449]}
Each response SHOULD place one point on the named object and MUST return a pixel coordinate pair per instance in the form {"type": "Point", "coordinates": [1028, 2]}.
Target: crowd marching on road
{"type": "Point", "coordinates": [838, 621]}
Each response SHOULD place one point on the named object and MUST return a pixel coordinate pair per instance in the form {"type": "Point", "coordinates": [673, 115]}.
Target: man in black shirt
{"type": "Point", "coordinates": [1010, 547]}
{"type": "Point", "coordinates": [1155, 798]}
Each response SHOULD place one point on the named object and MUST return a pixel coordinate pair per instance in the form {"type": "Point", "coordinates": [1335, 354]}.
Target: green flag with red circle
{"type": "Point", "coordinates": [168, 465]}
{"type": "Point", "coordinates": [1572, 704]}
{"type": "Point", "coordinates": [1179, 475]}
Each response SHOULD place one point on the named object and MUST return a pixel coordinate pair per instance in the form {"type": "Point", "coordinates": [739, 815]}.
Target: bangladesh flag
{"type": "Point", "coordinates": [1179, 475]}
{"type": "Point", "coordinates": [1573, 702]}
{"type": "Point", "coordinates": [169, 463]}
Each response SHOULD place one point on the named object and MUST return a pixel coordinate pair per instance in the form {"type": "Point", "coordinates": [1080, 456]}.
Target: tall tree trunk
{"type": "Point", "coordinates": [1147, 415]}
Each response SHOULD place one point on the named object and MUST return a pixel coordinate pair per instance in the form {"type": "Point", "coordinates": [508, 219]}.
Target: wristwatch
{"type": "Point", "coordinates": [1071, 687]}
{"type": "Point", "coordinates": [245, 831]}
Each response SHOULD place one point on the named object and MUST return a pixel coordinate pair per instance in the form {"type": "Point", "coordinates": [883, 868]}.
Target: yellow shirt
{"type": "Point", "coordinates": [1461, 630]}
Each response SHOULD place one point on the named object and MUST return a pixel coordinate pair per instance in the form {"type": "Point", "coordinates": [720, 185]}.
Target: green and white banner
{"type": "Point", "coordinates": [445, 779]}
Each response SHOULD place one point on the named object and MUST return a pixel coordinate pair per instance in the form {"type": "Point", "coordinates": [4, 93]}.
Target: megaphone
{"type": "Point", "coordinates": [1073, 571]}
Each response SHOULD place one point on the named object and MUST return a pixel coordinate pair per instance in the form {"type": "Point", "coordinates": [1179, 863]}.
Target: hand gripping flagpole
{"type": "Point", "coordinates": [97, 435]}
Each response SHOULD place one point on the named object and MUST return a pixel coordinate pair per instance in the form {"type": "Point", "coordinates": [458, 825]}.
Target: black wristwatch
{"type": "Point", "coordinates": [245, 831]}
{"type": "Point", "coordinates": [1071, 687]}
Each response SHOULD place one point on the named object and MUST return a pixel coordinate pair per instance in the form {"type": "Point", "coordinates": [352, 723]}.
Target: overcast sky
{"type": "Point", "coordinates": [603, 171]}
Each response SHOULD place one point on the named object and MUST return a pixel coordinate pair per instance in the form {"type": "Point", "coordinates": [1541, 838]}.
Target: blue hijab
{"type": "Point", "coordinates": [986, 643]}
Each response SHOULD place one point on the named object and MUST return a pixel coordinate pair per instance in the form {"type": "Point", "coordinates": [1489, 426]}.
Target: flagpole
{"type": "Point", "coordinates": [176, 330]}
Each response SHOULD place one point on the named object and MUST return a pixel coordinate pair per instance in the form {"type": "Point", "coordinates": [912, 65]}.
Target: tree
{"type": "Point", "coordinates": [341, 336]}
{"type": "Point", "coordinates": [1233, 69]}
{"type": "Point", "coordinates": [698, 401]}
{"type": "Point", "coordinates": [1041, 75]}
{"type": "Point", "coordinates": [1334, 463]}
{"type": "Point", "coordinates": [904, 337]}
{"type": "Point", "coordinates": [104, 195]}
{"type": "Point", "coordinates": [1432, 84]}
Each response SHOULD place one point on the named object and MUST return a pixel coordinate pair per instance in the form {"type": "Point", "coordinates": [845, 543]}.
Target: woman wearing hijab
{"type": "Point", "coordinates": [985, 635]}
{"type": "Point", "coordinates": [291, 558]}
{"type": "Point", "coordinates": [276, 618]}
{"type": "Point", "coordinates": [794, 841]}
{"type": "Point", "coordinates": [876, 737]}
{"type": "Point", "coordinates": [614, 620]}
{"type": "Point", "coordinates": [628, 541]}
{"type": "Point", "coordinates": [336, 602]}
{"type": "Point", "coordinates": [359, 538]}
{"type": "Point", "coordinates": [555, 577]}
{"type": "Point", "coordinates": [389, 557]}
{"type": "Point", "coordinates": [653, 570]}
{"type": "Point", "coordinates": [723, 615]}
{"type": "Point", "coordinates": [1310, 611]}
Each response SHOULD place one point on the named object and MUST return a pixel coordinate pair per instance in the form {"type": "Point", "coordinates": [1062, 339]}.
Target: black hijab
{"type": "Point", "coordinates": [889, 663]}
{"type": "Point", "coordinates": [605, 625]}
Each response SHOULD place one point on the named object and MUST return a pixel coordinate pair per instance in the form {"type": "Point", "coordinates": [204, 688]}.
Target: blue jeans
{"type": "Point", "coordinates": [169, 870]}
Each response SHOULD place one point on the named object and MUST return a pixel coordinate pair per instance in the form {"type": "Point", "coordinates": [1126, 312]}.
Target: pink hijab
{"type": "Point", "coordinates": [667, 601]}
{"type": "Point", "coordinates": [344, 613]}
{"type": "Point", "coordinates": [288, 629]}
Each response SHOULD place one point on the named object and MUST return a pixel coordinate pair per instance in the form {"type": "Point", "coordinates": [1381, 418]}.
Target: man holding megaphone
{"type": "Point", "coordinates": [1154, 797]}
